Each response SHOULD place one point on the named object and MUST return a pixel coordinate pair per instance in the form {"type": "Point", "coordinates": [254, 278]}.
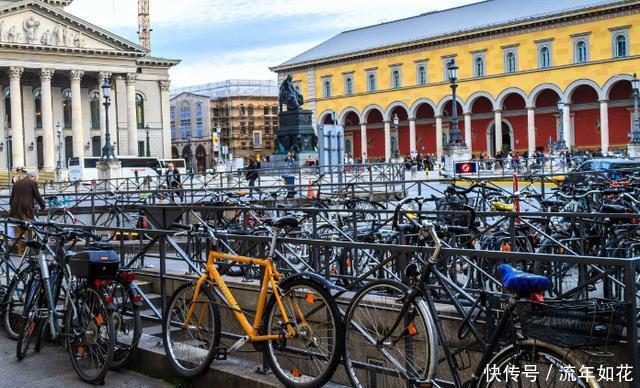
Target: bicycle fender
{"type": "Point", "coordinates": [324, 283]}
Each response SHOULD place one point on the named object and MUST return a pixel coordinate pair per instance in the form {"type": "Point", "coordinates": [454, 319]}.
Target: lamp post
{"type": "Point", "coordinates": [146, 128]}
{"type": "Point", "coordinates": [561, 145]}
{"type": "Point", "coordinates": [635, 130]}
{"type": "Point", "coordinates": [190, 161]}
{"type": "Point", "coordinates": [455, 136]}
{"type": "Point", "coordinates": [59, 163]}
{"type": "Point", "coordinates": [396, 145]}
{"type": "Point", "coordinates": [107, 149]}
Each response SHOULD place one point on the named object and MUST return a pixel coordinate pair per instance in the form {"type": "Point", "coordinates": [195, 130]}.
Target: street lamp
{"type": "Point", "coordinates": [635, 130]}
{"type": "Point", "coordinates": [561, 145]}
{"type": "Point", "coordinates": [190, 161]}
{"type": "Point", "coordinates": [146, 128]}
{"type": "Point", "coordinates": [396, 150]}
{"type": "Point", "coordinates": [59, 164]}
{"type": "Point", "coordinates": [455, 136]}
{"type": "Point", "coordinates": [107, 149]}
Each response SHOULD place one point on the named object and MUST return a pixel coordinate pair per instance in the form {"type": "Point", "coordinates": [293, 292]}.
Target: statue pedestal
{"type": "Point", "coordinates": [296, 134]}
{"type": "Point", "coordinates": [109, 169]}
{"type": "Point", "coordinates": [633, 150]}
{"type": "Point", "coordinates": [454, 153]}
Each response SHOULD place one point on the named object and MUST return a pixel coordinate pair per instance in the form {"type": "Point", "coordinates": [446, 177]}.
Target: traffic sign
{"type": "Point", "coordinates": [466, 167]}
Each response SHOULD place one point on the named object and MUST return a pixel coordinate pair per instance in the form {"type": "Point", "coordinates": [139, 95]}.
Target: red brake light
{"type": "Point", "coordinates": [128, 276]}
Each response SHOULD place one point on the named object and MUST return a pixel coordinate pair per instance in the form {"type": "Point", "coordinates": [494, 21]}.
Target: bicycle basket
{"type": "Point", "coordinates": [574, 324]}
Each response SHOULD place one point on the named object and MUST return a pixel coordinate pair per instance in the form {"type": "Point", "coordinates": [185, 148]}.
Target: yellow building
{"type": "Point", "coordinates": [516, 61]}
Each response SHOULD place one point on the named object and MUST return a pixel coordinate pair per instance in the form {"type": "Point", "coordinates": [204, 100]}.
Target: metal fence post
{"type": "Point", "coordinates": [631, 289]}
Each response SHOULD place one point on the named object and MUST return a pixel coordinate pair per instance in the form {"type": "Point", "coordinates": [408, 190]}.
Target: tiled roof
{"type": "Point", "coordinates": [431, 25]}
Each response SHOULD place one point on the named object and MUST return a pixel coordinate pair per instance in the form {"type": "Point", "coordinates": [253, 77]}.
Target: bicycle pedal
{"type": "Point", "coordinates": [220, 353]}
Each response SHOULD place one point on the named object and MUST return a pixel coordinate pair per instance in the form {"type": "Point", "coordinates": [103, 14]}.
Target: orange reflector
{"type": "Point", "coordinates": [505, 248]}
{"type": "Point", "coordinates": [99, 319]}
{"type": "Point", "coordinates": [137, 298]}
{"type": "Point", "coordinates": [32, 329]}
{"type": "Point", "coordinates": [81, 351]}
{"type": "Point", "coordinates": [348, 263]}
{"type": "Point", "coordinates": [296, 373]}
{"type": "Point", "coordinates": [310, 298]}
{"type": "Point", "coordinates": [412, 329]}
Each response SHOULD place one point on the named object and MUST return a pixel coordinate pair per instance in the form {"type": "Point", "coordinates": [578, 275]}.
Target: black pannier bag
{"type": "Point", "coordinates": [95, 264]}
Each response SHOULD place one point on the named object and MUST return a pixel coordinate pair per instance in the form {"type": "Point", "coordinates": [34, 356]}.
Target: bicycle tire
{"type": "Point", "coordinates": [128, 324]}
{"type": "Point", "coordinates": [92, 328]}
{"type": "Point", "coordinates": [30, 318]}
{"type": "Point", "coordinates": [14, 303]}
{"type": "Point", "coordinates": [190, 368]}
{"type": "Point", "coordinates": [373, 310]}
{"type": "Point", "coordinates": [527, 352]}
{"type": "Point", "coordinates": [317, 300]}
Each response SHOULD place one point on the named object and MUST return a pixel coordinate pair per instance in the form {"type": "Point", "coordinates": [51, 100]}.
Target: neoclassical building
{"type": "Point", "coordinates": [52, 66]}
{"type": "Point", "coordinates": [516, 59]}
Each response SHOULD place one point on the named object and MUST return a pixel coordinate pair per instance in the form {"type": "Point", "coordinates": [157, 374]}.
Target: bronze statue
{"type": "Point", "coordinates": [289, 95]}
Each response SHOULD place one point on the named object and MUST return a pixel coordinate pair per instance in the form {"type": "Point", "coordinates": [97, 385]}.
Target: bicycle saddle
{"type": "Point", "coordinates": [522, 283]}
{"type": "Point", "coordinates": [283, 222]}
{"type": "Point", "coordinates": [553, 203]}
{"type": "Point", "coordinates": [33, 244]}
{"type": "Point", "coordinates": [610, 208]}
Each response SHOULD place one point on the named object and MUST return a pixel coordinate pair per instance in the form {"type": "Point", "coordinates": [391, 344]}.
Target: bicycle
{"type": "Point", "coordinates": [393, 332]}
{"type": "Point", "coordinates": [299, 328]}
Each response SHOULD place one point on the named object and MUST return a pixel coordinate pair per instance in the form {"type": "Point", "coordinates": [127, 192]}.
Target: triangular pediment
{"type": "Point", "coordinates": [39, 25]}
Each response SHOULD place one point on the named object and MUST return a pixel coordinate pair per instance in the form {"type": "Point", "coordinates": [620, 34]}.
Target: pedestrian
{"type": "Point", "coordinates": [24, 194]}
{"type": "Point", "coordinates": [310, 161]}
{"type": "Point", "coordinates": [251, 174]}
{"type": "Point", "coordinates": [172, 181]}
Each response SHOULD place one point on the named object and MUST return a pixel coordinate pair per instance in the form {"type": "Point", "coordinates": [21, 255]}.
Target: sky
{"type": "Point", "coordinates": [223, 39]}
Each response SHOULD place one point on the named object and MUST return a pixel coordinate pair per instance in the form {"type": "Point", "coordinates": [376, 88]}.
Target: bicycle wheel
{"type": "Point", "coordinates": [31, 320]}
{"type": "Point", "coordinates": [311, 357]}
{"type": "Point", "coordinates": [91, 335]}
{"type": "Point", "coordinates": [409, 354]}
{"type": "Point", "coordinates": [14, 303]}
{"type": "Point", "coordinates": [128, 325]}
{"type": "Point", "coordinates": [554, 366]}
{"type": "Point", "coordinates": [191, 347]}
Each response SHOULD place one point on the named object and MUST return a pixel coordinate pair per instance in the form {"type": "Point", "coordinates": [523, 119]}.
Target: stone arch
{"type": "Point", "coordinates": [343, 115]}
{"type": "Point", "coordinates": [394, 105]}
{"type": "Point", "coordinates": [581, 82]}
{"type": "Point", "coordinates": [416, 105]}
{"type": "Point", "coordinates": [606, 89]}
{"type": "Point", "coordinates": [538, 89]}
{"type": "Point", "coordinates": [472, 98]}
{"type": "Point", "coordinates": [369, 109]}
{"type": "Point", "coordinates": [323, 116]}
{"type": "Point", "coordinates": [505, 93]}
{"type": "Point", "coordinates": [490, 135]}
{"type": "Point", "coordinates": [444, 101]}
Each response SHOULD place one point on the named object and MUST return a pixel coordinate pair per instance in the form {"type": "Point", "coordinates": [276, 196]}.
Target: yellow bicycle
{"type": "Point", "coordinates": [299, 327]}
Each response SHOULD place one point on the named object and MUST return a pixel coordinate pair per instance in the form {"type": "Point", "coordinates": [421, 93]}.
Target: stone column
{"type": "Point", "coordinates": [48, 135]}
{"type": "Point", "coordinates": [439, 148]}
{"type": "Point", "coordinates": [412, 135]}
{"type": "Point", "coordinates": [467, 132]}
{"type": "Point", "coordinates": [363, 142]}
{"type": "Point", "coordinates": [498, 131]}
{"type": "Point", "coordinates": [103, 126]}
{"type": "Point", "coordinates": [566, 125]}
{"type": "Point", "coordinates": [387, 141]}
{"type": "Point", "coordinates": [166, 119]}
{"type": "Point", "coordinates": [604, 126]}
{"type": "Point", "coordinates": [76, 113]}
{"type": "Point", "coordinates": [17, 137]}
{"type": "Point", "coordinates": [132, 125]}
{"type": "Point", "coordinates": [531, 129]}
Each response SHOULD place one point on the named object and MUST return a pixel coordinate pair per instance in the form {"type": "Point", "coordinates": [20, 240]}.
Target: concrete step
{"type": "Point", "coordinates": [145, 286]}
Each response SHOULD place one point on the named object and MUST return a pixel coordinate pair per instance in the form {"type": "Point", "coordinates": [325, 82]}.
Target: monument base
{"type": "Point", "coordinates": [61, 174]}
{"type": "Point", "coordinates": [633, 150]}
{"type": "Point", "coordinates": [109, 169]}
{"type": "Point", "coordinates": [277, 159]}
{"type": "Point", "coordinates": [454, 153]}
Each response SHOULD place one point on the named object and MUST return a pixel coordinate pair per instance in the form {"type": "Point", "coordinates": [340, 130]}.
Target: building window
{"type": "Point", "coordinates": [172, 113]}
{"type": "Point", "coordinates": [215, 112]}
{"type": "Point", "coordinates": [243, 128]}
{"type": "Point", "coordinates": [371, 82]}
{"type": "Point", "coordinates": [37, 102]}
{"type": "Point", "coordinates": [620, 46]}
{"type": "Point", "coordinates": [140, 110]}
{"type": "Point", "coordinates": [421, 75]}
{"type": "Point", "coordinates": [242, 110]}
{"type": "Point", "coordinates": [141, 148]}
{"type": "Point", "coordinates": [445, 63]}
{"type": "Point", "coordinates": [66, 108]}
{"type": "Point", "coordinates": [478, 67]}
{"type": "Point", "coordinates": [510, 62]}
{"type": "Point", "coordinates": [199, 127]}
{"type": "Point", "coordinates": [266, 110]}
{"type": "Point", "coordinates": [7, 107]}
{"type": "Point", "coordinates": [257, 139]}
{"type": "Point", "coordinates": [185, 121]}
{"type": "Point", "coordinates": [326, 88]}
{"type": "Point", "coordinates": [544, 57]}
{"type": "Point", "coordinates": [581, 52]}
{"type": "Point", "coordinates": [396, 81]}
{"type": "Point", "coordinates": [250, 110]}
{"type": "Point", "coordinates": [348, 85]}
{"type": "Point", "coordinates": [94, 106]}
{"type": "Point", "coordinates": [274, 110]}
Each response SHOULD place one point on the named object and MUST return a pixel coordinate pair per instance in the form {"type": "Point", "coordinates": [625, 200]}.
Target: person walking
{"type": "Point", "coordinates": [172, 180]}
{"type": "Point", "coordinates": [24, 194]}
{"type": "Point", "coordinates": [252, 174]}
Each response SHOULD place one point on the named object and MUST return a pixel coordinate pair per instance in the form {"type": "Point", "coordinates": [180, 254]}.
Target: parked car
{"type": "Point", "coordinates": [611, 169]}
